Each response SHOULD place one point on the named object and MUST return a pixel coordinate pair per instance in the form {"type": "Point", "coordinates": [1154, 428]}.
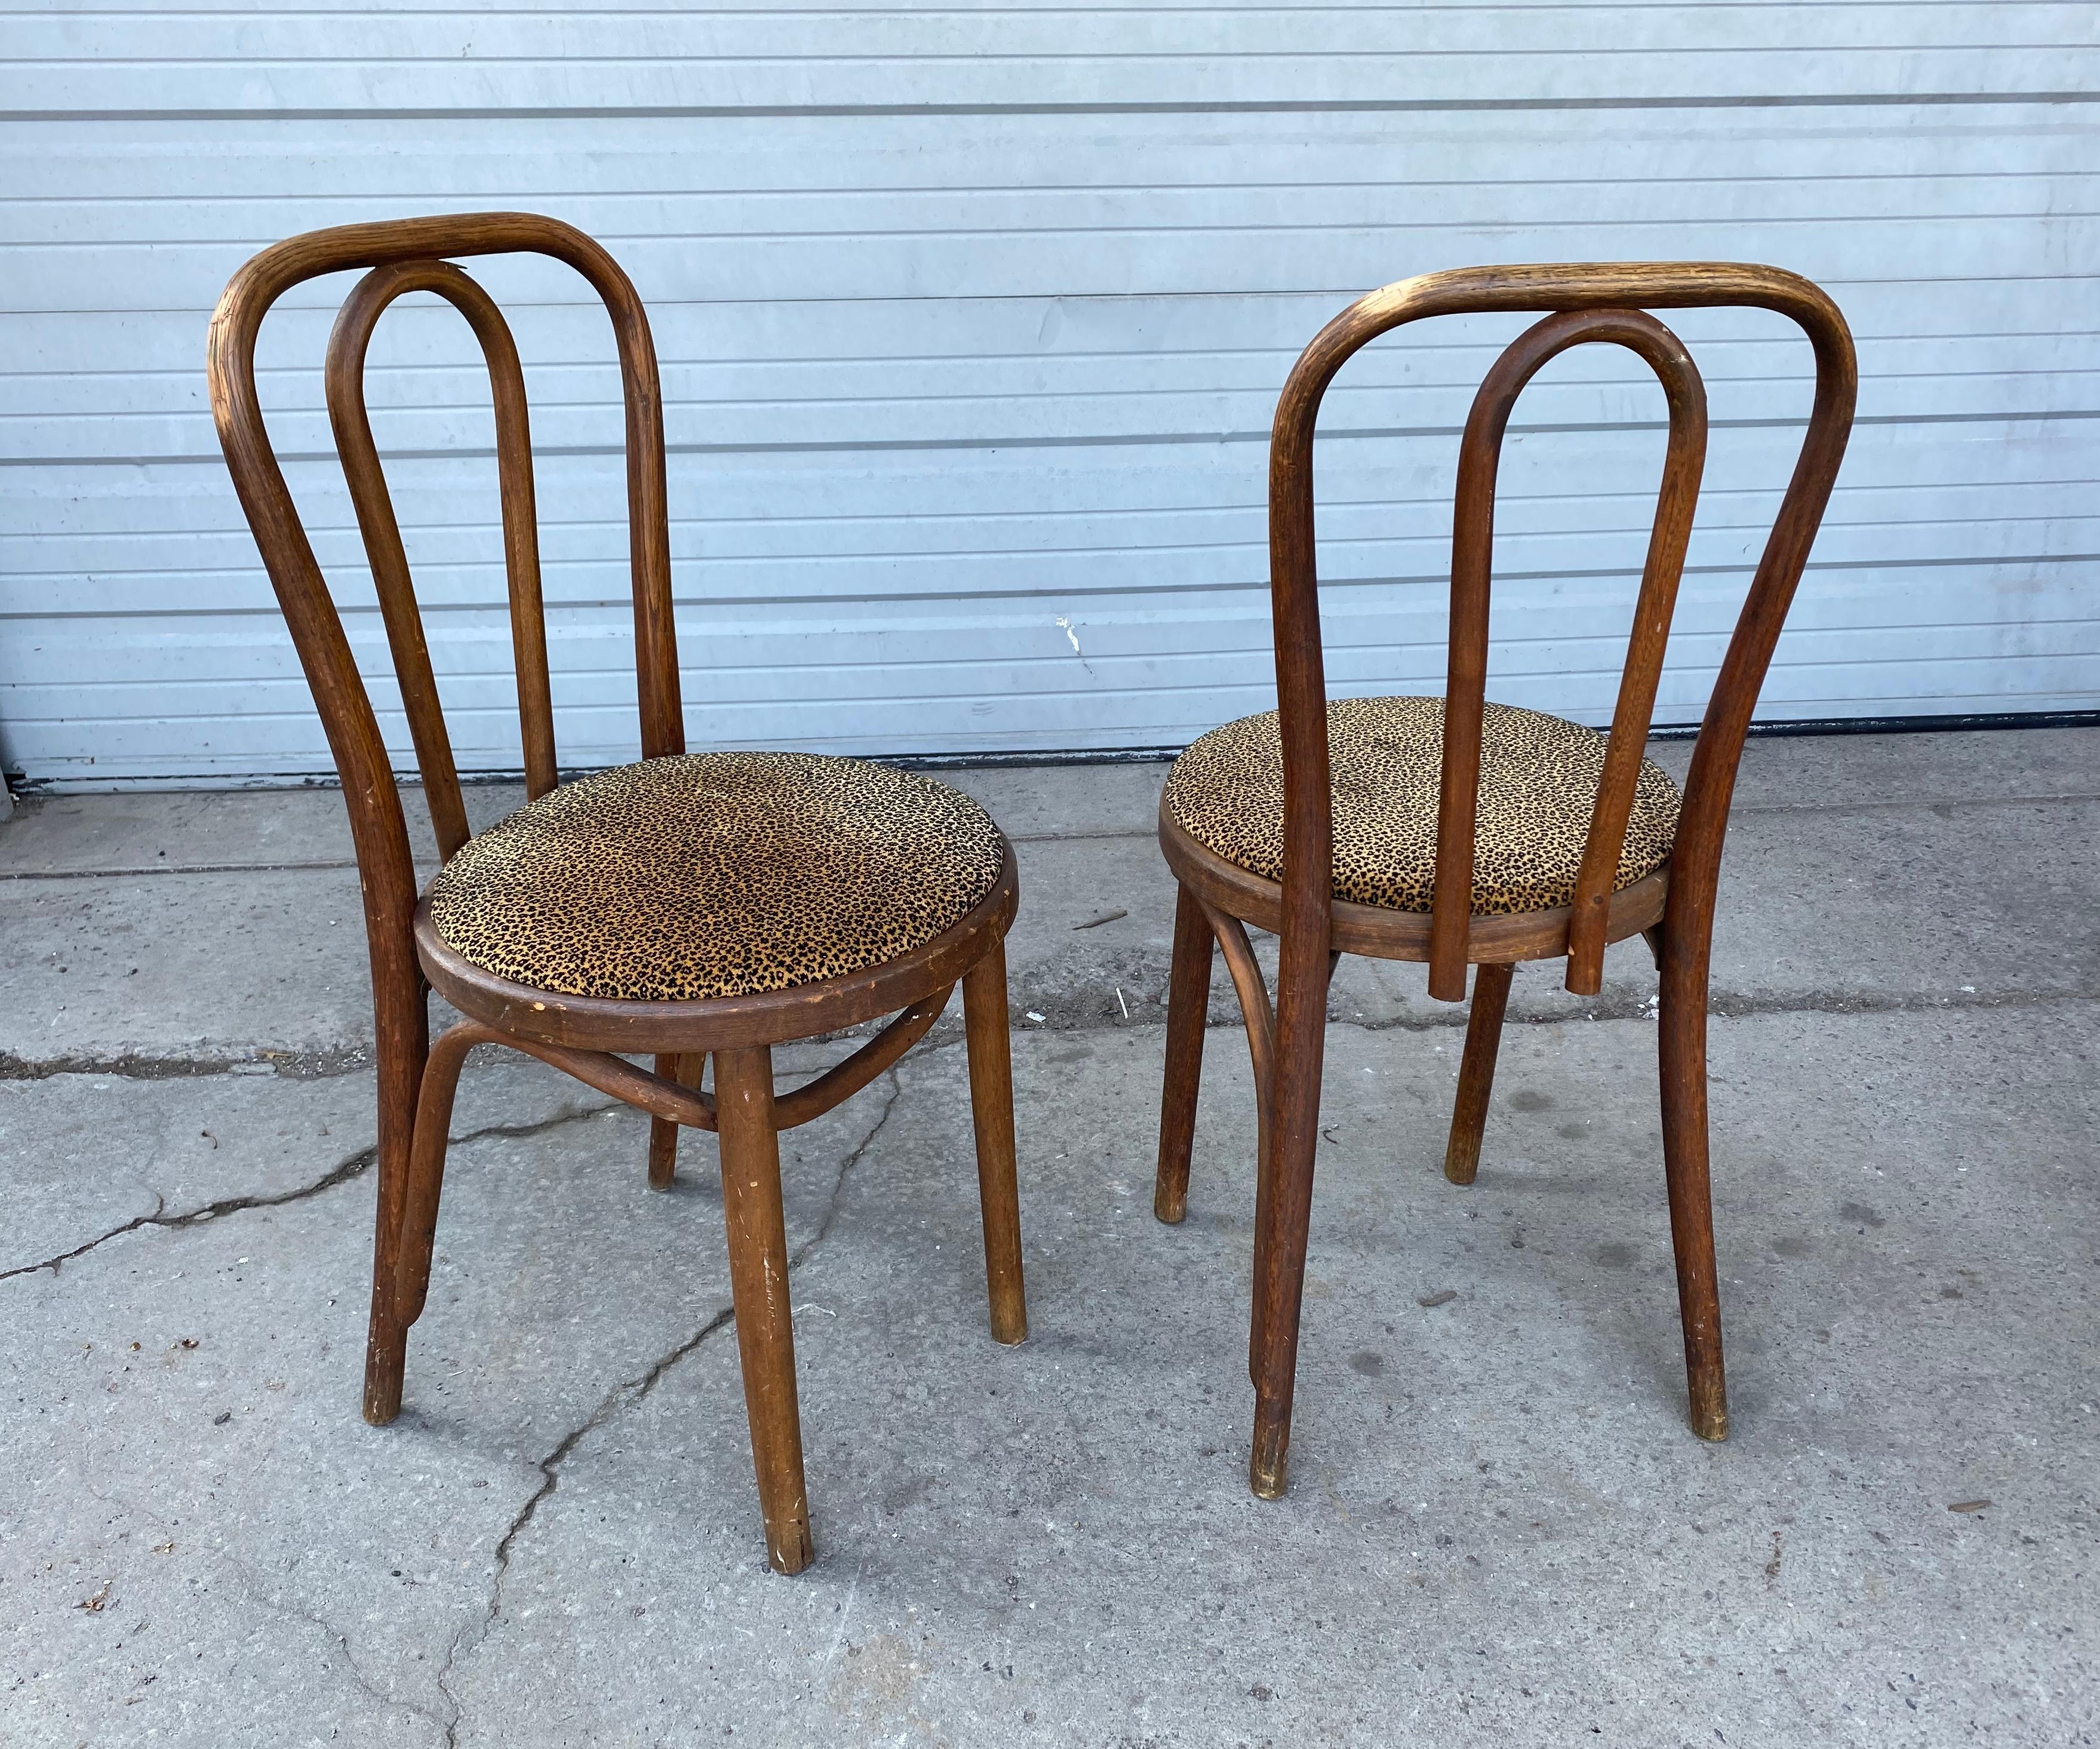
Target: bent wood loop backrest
{"type": "Point", "coordinates": [405, 256]}
{"type": "Point", "coordinates": [1591, 303]}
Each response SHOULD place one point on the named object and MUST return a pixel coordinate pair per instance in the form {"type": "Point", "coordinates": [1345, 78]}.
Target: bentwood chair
{"type": "Point", "coordinates": [1463, 833]}
{"type": "Point", "coordinates": [687, 907]}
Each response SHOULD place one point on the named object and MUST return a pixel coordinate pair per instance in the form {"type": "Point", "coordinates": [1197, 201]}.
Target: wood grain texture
{"type": "Point", "coordinates": [758, 1280]}
{"type": "Point", "coordinates": [585, 1038]}
{"type": "Point", "coordinates": [991, 1115]}
{"type": "Point", "coordinates": [1188, 1014]}
{"type": "Point", "coordinates": [1476, 1073]}
{"type": "Point", "coordinates": [683, 1069]}
{"type": "Point", "coordinates": [1473, 549]}
{"type": "Point", "coordinates": [1305, 910]}
{"type": "Point", "coordinates": [1381, 934]}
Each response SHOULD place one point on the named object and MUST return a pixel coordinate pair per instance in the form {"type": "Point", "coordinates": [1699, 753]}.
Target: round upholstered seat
{"type": "Point", "coordinates": [1538, 782]}
{"type": "Point", "coordinates": [712, 875]}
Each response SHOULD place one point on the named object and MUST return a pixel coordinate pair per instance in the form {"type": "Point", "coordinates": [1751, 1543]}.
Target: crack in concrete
{"type": "Point", "coordinates": [330, 1631]}
{"type": "Point", "coordinates": [266, 1590]}
{"type": "Point", "coordinates": [137, 1066]}
{"type": "Point", "coordinates": [627, 1395]}
{"type": "Point", "coordinates": [355, 1166]}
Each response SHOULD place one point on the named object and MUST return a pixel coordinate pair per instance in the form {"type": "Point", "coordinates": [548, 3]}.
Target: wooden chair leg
{"type": "Point", "coordinates": [1188, 1010]}
{"type": "Point", "coordinates": [1476, 1072]}
{"type": "Point", "coordinates": [402, 1014]}
{"type": "Point", "coordinates": [685, 1068]}
{"type": "Point", "coordinates": [1279, 1264]}
{"type": "Point", "coordinates": [1681, 1045]}
{"type": "Point", "coordinates": [991, 1109]}
{"type": "Point", "coordinates": [427, 1170]}
{"type": "Point", "coordinates": [758, 1280]}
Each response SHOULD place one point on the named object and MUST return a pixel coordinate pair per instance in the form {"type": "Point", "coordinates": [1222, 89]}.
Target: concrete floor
{"type": "Point", "coordinates": [1500, 1530]}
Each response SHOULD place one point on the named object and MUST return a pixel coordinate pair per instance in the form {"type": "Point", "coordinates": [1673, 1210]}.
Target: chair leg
{"type": "Point", "coordinates": [1188, 1009]}
{"type": "Point", "coordinates": [426, 1169]}
{"type": "Point", "coordinates": [991, 1109]}
{"type": "Point", "coordinates": [1279, 1270]}
{"type": "Point", "coordinates": [1681, 1048]}
{"type": "Point", "coordinates": [758, 1280]}
{"type": "Point", "coordinates": [685, 1068]}
{"type": "Point", "coordinates": [403, 1030]}
{"type": "Point", "coordinates": [1476, 1072]}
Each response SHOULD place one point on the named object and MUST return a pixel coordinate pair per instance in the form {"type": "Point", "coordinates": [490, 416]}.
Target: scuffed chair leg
{"type": "Point", "coordinates": [1188, 1009]}
{"type": "Point", "coordinates": [1476, 1072]}
{"type": "Point", "coordinates": [758, 1281]}
{"type": "Point", "coordinates": [685, 1068]}
{"type": "Point", "coordinates": [991, 1110]}
{"type": "Point", "coordinates": [427, 1170]}
{"type": "Point", "coordinates": [408, 1273]}
{"type": "Point", "coordinates": [1682, 1050]}
{"type": "Point", "coordinates": [1279, 1264]}
{"type": "Point", "coordinates": [1279, 1285]}
{"type": "Point", "coordinates": [404, 1024]}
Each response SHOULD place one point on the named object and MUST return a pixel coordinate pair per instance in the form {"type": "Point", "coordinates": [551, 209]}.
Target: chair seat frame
{"type": "Point", "coordinates": [586, 1037]}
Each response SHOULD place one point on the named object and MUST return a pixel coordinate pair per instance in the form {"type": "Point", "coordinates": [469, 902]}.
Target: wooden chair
{"type": "Point", "coordinates": [1461, 832]}
{"type": "Point", "coordinates": [687, 907]}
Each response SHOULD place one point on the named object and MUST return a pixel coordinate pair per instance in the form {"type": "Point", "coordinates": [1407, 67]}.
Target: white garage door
{"type": "Point", "coordinates": [972, 323]}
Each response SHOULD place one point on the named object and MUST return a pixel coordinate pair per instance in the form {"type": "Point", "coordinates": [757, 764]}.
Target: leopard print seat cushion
{"type": "Point", "coordinates": [714, 875]}
{"type": "Point", "coordinates": [1538, 782]}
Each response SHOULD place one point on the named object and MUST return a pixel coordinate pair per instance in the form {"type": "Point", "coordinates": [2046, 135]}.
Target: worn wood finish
{"type": "Point", "coordinates": [684, 1069]}
{"type": "Point", "coordinates": [350, 417]}
{"type": "Point", "coordinates": [1187, 1014]}
{"type": "Point", "coordinates": [1378, 934]}
{"type": "Point", "coordinates": [590, 1039]}
{"type": "Point", "coordinates": [1583, 302]}
{"type": "Point", "coordinates": [758, 1281]}
{"type": "Point", "coordinates": [1472, 547]}
{"type": "Point", "coordinates": [991, 1112]}
{"type": "Point", "coordinates": [773, 1017]}
{"type": "Point", "coordinates": [1476, 1072]}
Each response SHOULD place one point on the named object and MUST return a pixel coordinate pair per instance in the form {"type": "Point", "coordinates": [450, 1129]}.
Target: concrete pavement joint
{"type": "Point", "coordinates": [1739, 810]}
{"type": "Point", "coordinates": [626, 1396]}
{"type": "Point", "coordinates": [339, 1174]}
{"type": "Point", "coordinates": [133, 1066]}
{"type": "Point", "coordinates": [1063, 1016]}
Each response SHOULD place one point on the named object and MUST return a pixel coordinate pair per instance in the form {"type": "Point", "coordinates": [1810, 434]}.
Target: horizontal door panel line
{"type": "Point", "coordinates": [1079, 592]}
{"type": "Point", "coordinates": [1136, 440]}
{"type": "Point", "coordinates": [316, 307]}
{"type": "Point", "coordinates": [1308, 106]}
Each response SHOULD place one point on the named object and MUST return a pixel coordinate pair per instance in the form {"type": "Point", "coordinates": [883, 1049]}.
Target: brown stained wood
{"type": "Point", "coordinates": [1472, 544]}
{"type": "Point", "coordinates": [991, 1113]}
{"type": "Point", "coordinates": [426, 1167]}
{"type": "Point", "coordinates": [1187, 1012]}
{"type": "Point", "coordinates": [350, 419]}
{"type": "Point", "coordinates": [588, 1039]}
{"type": "Point", "coordinates": [1476, 1073]}
{"type": "Point", "coordinates": [841, 1081]}
{"type": "Point", "coordinates": [402, 1020]}
{"type": "Point", "coordinates": [775, 1017]}
{"type": "Point", "coordinates": [1381, 934]}
{"type": "Point", "coordinates": [758, 1283]}
{"type": "Point", "coordinates": [683, 1069]}
{"type": "Point", "coordinates": [1248, 985]}
{"type": "Point", "coordinates": [1301, 908]}
{"type": "Point", "coordinates": [1681, 1060]}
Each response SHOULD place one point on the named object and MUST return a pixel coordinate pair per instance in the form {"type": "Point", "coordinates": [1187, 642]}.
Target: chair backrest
{"type": "Point", "coordinates": [1588, 303]}
{"type": "Point", "coordinates": [406, 255]}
